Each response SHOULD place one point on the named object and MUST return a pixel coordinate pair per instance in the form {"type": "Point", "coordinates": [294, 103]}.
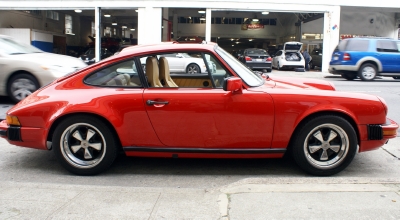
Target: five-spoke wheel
{"type": "Point", "coordinates": [84, 145]}
{"type": "Point", "coordinates": [325, 145]}
{"type": "Point", "coordinates": [21, 86]}
{"type": "Point", "coordinates": [192, 69]}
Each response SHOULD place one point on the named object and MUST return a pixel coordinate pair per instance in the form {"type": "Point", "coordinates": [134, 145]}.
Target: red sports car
{"type": "Point", "coordinates": [118, 104]}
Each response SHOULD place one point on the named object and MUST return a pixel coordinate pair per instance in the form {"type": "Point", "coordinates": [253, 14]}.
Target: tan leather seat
{"type": "Point", "coordinates": [121, 80]}
{"type": "Point", "coordinates": [164, 73]}
{"type": "Point", "coordinates": [152, 72]}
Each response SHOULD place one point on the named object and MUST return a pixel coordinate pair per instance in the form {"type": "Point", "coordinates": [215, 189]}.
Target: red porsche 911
{"type": "Point", "coordinates": [147, 109]}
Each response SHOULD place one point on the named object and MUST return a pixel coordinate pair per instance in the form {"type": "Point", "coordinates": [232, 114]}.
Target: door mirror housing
{"type": "Point", "coordinates": [233, 84]}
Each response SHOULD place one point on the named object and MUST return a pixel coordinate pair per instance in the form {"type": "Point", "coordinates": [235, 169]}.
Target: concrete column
{"type": "Point", "coordinates": [208, 24]}
{"type": "Point", "coordinates": [165, 32]}
{"type": "Point", "coordinates": [97, 25]}
{"type": "Point", "coordinates": [331, 35]}
{"type": "Point", "coordinates": [149, 25]}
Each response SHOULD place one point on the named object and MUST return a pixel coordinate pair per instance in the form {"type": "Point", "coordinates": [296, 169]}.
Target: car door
{"type": "Point", "coordinates": [201, 117]}
{"type": "Point", "coordinates": [388, 53]}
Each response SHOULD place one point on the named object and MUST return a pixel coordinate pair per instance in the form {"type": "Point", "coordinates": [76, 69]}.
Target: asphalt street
{"type": "Point", "coordinates": [34, 186]}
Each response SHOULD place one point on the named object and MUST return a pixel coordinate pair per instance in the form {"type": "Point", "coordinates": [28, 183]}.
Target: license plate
{"type": "Point", "coordinates": [335, 58]}
{"type": "Point", "coordinates": [258, 60]}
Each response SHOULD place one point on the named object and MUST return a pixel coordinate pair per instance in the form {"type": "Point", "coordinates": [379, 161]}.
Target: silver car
{"type": "Point", "coordinates": [25, 68]}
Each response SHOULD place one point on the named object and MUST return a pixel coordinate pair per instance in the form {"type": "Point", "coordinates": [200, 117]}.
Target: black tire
{"type": "Point", "coordinates": [84, 145]}
{"type": "Point", "coordinates": [396, 77]}
{"type": "Point", "coordinates": [21, 85]}
{"type": "Point", "coordinates": [315, 154]}
{"type": "Point", "coordinates": [349, 76]}
{"type": "Point", "coordinates": [278, 67]}
{"type": "Point", "coordinates": [269, 70]}
{"type": "Point", "coordinates": [193, 69]}
{"type": "Point", "coordinates": [367, 72]}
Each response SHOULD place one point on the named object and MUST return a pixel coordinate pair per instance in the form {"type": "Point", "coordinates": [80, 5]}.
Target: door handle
{"type": "Point", "coordinates": [152, 102]}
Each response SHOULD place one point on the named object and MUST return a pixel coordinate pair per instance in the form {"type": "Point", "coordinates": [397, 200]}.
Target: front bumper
{"type": "Point", "coordinates": [375, 136]}
{"type": "Point", "coordinates": [259, 65]}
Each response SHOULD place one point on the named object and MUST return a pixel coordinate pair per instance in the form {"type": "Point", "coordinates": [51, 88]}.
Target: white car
{"type": "Point", "coordinates": [25, 68]}
{"type": "Point", "coordinates": [184, 63]}
{"type": "Point", "coordinates": [290, 57]}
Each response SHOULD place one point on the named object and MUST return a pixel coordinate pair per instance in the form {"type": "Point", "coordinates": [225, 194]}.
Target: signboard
{"type": "Point", "coordinates": [253, 25]}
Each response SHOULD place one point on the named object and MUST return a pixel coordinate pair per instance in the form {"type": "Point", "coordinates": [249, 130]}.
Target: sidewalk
{"type": "Point", "coordinates": [249, 199]}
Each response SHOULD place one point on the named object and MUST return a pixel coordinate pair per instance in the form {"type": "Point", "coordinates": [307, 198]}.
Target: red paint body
{"type": "Point", "coordinates": [263, 117]}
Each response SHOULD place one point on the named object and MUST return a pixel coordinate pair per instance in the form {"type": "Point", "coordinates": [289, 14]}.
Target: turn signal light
{"type": "Point", "coordinates": [389, 132]}
{"type": "Point", "coordinates": [248, 58]}
{"type": "Point", "coordinates": [12, 120]}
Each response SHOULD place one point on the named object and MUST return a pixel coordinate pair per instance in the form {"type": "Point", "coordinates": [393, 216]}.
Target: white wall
{"type": "Point", "coordinates": [358, 23]}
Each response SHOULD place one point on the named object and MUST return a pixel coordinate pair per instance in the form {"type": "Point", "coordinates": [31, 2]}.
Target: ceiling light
{"type": "Point", "coordinates": [202, 12]}
{"type": "Point", "coordinates": [124, 26]}
{"type": "Point", "coordinates": [78, 11]}
{"type": "Point", "coordinates": [137, 10]}
{"type": "Point", "coordinates": [265, 12]}
{"type": "Point", "coordinates": [237, 42]}
{"type": "Point", "coordinates": [114, 23]}
{"type": "Point", "coordinates": [232, 39]}
{"type": "Point", "coordinates": [255, 19]}
{"type": "Point", "coordinates": [107, 15]}
{"type": "Point", "coordinates": [202, 19]}
{"type": "Point", "coordinates": [250, 39]}
{"type": "Point", "coordinates": [132, 29]}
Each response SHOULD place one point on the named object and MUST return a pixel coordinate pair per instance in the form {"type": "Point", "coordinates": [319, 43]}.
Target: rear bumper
{"type": "Point", "coordinates": [259, 65]}
{"type": "Point", "coordinates": [335, 69]}
{"type": "Point", "coordinates": [24, 136]}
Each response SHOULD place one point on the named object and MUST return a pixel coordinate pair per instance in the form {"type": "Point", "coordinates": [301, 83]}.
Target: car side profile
{"type": "Point", "coordinates": [25, 68]}
{"type": "Point", "coordinates": [289, 57]}
{"type": "Point", "coordinates": [116, 105]}
{"type": "Point", "coordinates": [366, 58]}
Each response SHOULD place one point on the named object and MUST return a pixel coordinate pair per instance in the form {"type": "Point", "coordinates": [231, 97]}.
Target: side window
{"type": "Point", "coordinates": [357, 45]}
{"type": "Point", "coordinates": [386, 46]}
{"type": "Point", "coordinates": [123, 74]}
{"type": "Point", "coordinates": [190, 70]}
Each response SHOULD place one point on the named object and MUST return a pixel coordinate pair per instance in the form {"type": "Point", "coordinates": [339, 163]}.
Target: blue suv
{"type": "Point", "coordinates": [366, 58]}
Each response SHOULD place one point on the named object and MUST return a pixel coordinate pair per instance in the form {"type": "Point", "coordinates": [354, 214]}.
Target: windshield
{"type": "Point", "coordinates": [248, 76]}
{"type": "Point", "coordinates": [12, 47]}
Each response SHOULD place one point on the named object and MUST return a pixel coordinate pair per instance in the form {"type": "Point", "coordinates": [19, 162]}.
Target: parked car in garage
{"type": "Point", "coordinates": [289, 57]}
{"type": "Point", "coordinates": [89, 56]}
{"type": "Point", "coordinates": [184, 63]}
{"type": "Point", "coordinates": [366, 58]}
{"type": "Point", "coordinates": [316, 58]}
{"type": "Point", "coordinates": [110, 43]}
{"type": "Point", "coordinates": [256, 59]}
{"type": "Point", "coordinates": [24, 68]}
{"type": "Point", "coordinates": [113, 106]}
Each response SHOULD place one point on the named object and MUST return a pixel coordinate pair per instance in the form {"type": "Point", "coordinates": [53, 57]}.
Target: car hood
{"type": "Point", "coordinates": [292, 46]}
{"type": "Point", "coordinates": [296, 83]}
{"type": "Point", "coordinates": [52, 59]}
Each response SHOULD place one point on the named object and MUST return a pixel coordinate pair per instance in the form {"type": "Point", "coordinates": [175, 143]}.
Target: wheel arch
{"type": "Point", "coordinates": [102, 119]}
{"type": "Point", "coordinates": [370, 60]}
{"type": "Point", "coordinates": [322, 113]}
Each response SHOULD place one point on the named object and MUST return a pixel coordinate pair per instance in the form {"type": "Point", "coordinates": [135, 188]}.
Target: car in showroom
{"type": "Point", "coordinates": [366, 58]}
{"type": "Point", "coordinates": [256, 59]}
{"type": "Point", "coordinates": [88, 117]}
{"type": "Point", "coordinates": [89, 56]}
{"type": "Point", "coordinates": [316, 58]}
{"type": "Point", "coordinates": [289, 57]}
{"type": "Point", "coordinates": [25, 68]}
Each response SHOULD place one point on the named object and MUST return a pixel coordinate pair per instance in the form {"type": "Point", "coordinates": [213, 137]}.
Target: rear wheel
{"type": "Point", "coordinates": [367, 72]}
{"type": "Point", "coordinates": [21, 86]}
{"type": "Point", "coordinates": [396, 77]}
{"type": "Point", "coordinates": [84, 145]}
{"type": "Point", "coordinates": [324, 145]}
{"type": "Point", "coordinates": [192, 69]}
{"type": "Point", "coordinates": [349, 76]}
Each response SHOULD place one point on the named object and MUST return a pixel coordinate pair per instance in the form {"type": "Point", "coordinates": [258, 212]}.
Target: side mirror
{"type": "Point", "coordinates": [233, 84]}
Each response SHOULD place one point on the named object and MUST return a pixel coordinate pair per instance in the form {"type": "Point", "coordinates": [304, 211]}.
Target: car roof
{"type": "Point", "coordinates": [166, 46]}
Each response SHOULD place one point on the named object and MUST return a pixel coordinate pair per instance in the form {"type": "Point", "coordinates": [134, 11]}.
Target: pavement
{"type": "Point", "coordinates": [249, 198]}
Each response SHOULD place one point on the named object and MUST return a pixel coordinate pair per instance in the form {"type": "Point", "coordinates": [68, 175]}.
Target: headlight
{"type": "Point", "coordinates": [58, 71]}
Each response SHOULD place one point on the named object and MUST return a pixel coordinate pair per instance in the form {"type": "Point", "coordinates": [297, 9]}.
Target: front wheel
{"type": "Point", "coordinates": [367, 72]}
{"type": "Point", "coordinates": [324, 145]}
{"type": "Point", "coordinates": [396, 77]}
{"type": "Point", "coordinates": [192, 69]}
{"type": "Point", "coordinates": [21, 86]}
{"type": "Point", "coordinates": [84, 145]}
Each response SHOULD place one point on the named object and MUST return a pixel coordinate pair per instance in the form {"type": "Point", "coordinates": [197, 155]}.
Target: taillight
{"type": "Point", "coordinates": [346, 56]}
{"type": "Point", "coordinates": [248, 59]}
{"type": "Point", "coordinates": [269, 59]}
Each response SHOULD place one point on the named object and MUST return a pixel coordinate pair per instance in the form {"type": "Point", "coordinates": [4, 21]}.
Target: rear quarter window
{"type": "Point", "coordinates": [357, 45]}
